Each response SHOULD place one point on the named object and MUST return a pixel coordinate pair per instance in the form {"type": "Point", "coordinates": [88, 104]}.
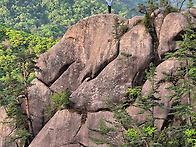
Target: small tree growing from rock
{"type": "Point", "coordinates": [59, 102]}
{"type": "Point", "coordinates": [134, 133]}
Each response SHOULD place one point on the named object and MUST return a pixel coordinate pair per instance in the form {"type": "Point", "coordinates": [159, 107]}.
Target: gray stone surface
{"type": "Point", "coordinates": [172, 25]}
{"type": "Point", "coordinates": [5, 131]}
{"type": "Point", "coordinates": [39, 98]}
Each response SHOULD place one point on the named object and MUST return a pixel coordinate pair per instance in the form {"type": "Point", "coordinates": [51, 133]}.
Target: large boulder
{"type": "Point", "coordinates": [39, 97]}
{"type": "Point", "coordinates": [168, 67]}
{"type": "Point", "coordinates": [89, 62]}
{"type": "Point", "coordinates": [170, 31]}
{"type": "Point", "coordinates": [67, 129]}
{"type": "Point", "coordinates": [64, 123]}
{"type": "Point", "coordinates": [119, 75]}
{"type": "Point", "coordinates": [85, 49]}
{"type": "Point", "coordinates": [96, 66]}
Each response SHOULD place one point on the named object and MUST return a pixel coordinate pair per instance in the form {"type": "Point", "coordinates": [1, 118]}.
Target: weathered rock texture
{"type": "Point", "coordinates": [70, 125]}
{"type": "Point", "coordinates": [39, 99]}
{"type": "Point", "coordinates": [168, 67]}
{"type": "Point", "coordinates": [95, 66]}
{"type": "Point", "coordinates": [5, 130]}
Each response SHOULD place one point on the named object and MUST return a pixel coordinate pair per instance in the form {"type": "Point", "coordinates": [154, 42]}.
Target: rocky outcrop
{"type": "Point", "coordinates": [168, 67]}
{"type": "Point", "coordinates": [118, 75]}
{"type": "Point", "coordinates": [171, 31]}
{"type": "Point", "coordinates": [74, 128]}
{"type": "Point", "coordinates": [96, 66]}
{"type": "Point", "coordinates": [39, 97]}
{"type": "Point", "coordinates": [5, 130]}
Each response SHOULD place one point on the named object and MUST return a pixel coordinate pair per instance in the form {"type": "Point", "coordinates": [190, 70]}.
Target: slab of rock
{"type": "Point", "coordinates": [93, 121]}
{"type": "Point", "coordinates": [68, 129]}
{"type": "Point", "coordinates": [158, 21]}
{"type": "Point", "coordinates": [59, 131]}
{"type": "Point", "coordinates": [172, 25]}
{"type": "Point", "coordinates": [169, 67]}
{"type": "Point", "coordinates": [119, 75]}
{"type": "Point", "coordinates": [135, 21]}
{"type": "Point", "coordinates": [5, 131]}
{"type": "Point", "coordinates": [39, 97]}
{"type": "Point", "coordinates": [85, 49]}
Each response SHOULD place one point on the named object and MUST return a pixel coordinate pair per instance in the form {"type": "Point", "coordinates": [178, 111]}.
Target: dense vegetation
{"type": "Point", "coordinates": [18, 51]}
{"type": "Point", "coordinates": [12, 43]}
{"type": "Point", "coordinates": [53, 17]}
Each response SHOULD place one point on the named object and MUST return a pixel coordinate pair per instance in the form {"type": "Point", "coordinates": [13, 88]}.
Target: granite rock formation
{"type": "Point", "coordinates": [95, 66]}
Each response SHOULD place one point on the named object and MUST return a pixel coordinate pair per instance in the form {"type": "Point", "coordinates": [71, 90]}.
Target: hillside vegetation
{"type": "Point", "coordinates": [53, 17]}
{"type": "Point", "coordinates": [11, 43]}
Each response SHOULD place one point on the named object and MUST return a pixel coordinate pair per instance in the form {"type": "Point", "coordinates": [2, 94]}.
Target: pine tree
{"type": "Point", "coordinates": [137, 134]}
{"type": "Point", "coordinates": [184, 84]}
{"type": "Point", "coordinates": [15, 92]}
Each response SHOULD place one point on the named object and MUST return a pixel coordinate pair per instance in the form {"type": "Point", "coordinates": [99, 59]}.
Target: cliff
{"type": "Point", "coordinates": [89, 61]}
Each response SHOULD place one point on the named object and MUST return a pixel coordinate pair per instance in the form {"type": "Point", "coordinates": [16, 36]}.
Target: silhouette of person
{"type": "Point", "coordinates": [109, 5]}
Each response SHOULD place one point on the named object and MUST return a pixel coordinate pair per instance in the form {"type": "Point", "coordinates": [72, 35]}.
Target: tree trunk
{"type": "Point", "coordinates": [27, 102]}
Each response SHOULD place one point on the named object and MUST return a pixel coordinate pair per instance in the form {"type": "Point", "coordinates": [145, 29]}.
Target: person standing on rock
{"type": "Point", "coordinates": [109, 5]}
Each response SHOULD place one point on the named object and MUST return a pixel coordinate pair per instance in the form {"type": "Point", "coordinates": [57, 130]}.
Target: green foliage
{"type": "Point", "coordinates": [16, 118]}
{"type": "Point", "coordinates": [58, 102]}
{"type": "Point", "coordinates": [190, 4]}
{"type": "Point", "coordinates": [21, 135]}
{"type": "Point", "coordinates": [17, 47]}
{"type": "Point", "coordinates": [125, 54]}
{"type": "Point", "coordinates": [134, 93]}
{"type": "Point", "coordinates": [132, 133]}
{"type": "Point", "coordinates": [53, 17]}
{"type": "Point", "coordinates": [18, 51]}
{"type": "Point", "coordinates": [191, 136]}
{"type": "Point", "coordinates": [184, 87]}
{"type": "Point", "coordinates": [119, 28]}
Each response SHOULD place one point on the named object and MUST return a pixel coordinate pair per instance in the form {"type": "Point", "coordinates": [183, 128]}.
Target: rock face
{"type": "Point", "coordinates": [170, 32]}
{"type": "Point", "coordinates": [5, 131]}
{"type": "Point", "coordinates": [95, 66]}
{"type": "Point", "coordinates": [75, 130]}
{"type": "Point", "coordinates": [168, 67]}
{"type": "Point", "coordinates": [38, 98]}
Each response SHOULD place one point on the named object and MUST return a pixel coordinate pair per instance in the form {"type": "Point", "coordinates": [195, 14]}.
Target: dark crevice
{"type": "Point", "coordinates": [82, 144]}
{"type": "Point", "coordinates": [78, 130]}
{"type": "Point", "coordinates": [61, 71]}
{"type": "Point", "coordinates": [43, 82]}
{"type": "Point", "coordinates": [105, 63]}
{"type": "Point", "coordinates": [168, 119]}
{"type": "Point", "coordinates": [102, 109]}
{"type": "Point", "coordinates": [178, 37]}
{"type": "Point", "coordinates": [83, 120]}
{"type": "Point", "coordinates": [46, 85]}
{"type": "Point", "coordinates": [138, 79]}
{"type": "Point", "coordinates": [167, 122]}
{"type": "Point", "coordinates": [87, 77]}
{"type": "Point", "coordinates": [75, 143]}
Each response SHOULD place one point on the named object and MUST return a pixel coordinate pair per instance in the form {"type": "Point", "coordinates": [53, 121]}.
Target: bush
{"type": "Point", "coordinates": [59, 102]}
